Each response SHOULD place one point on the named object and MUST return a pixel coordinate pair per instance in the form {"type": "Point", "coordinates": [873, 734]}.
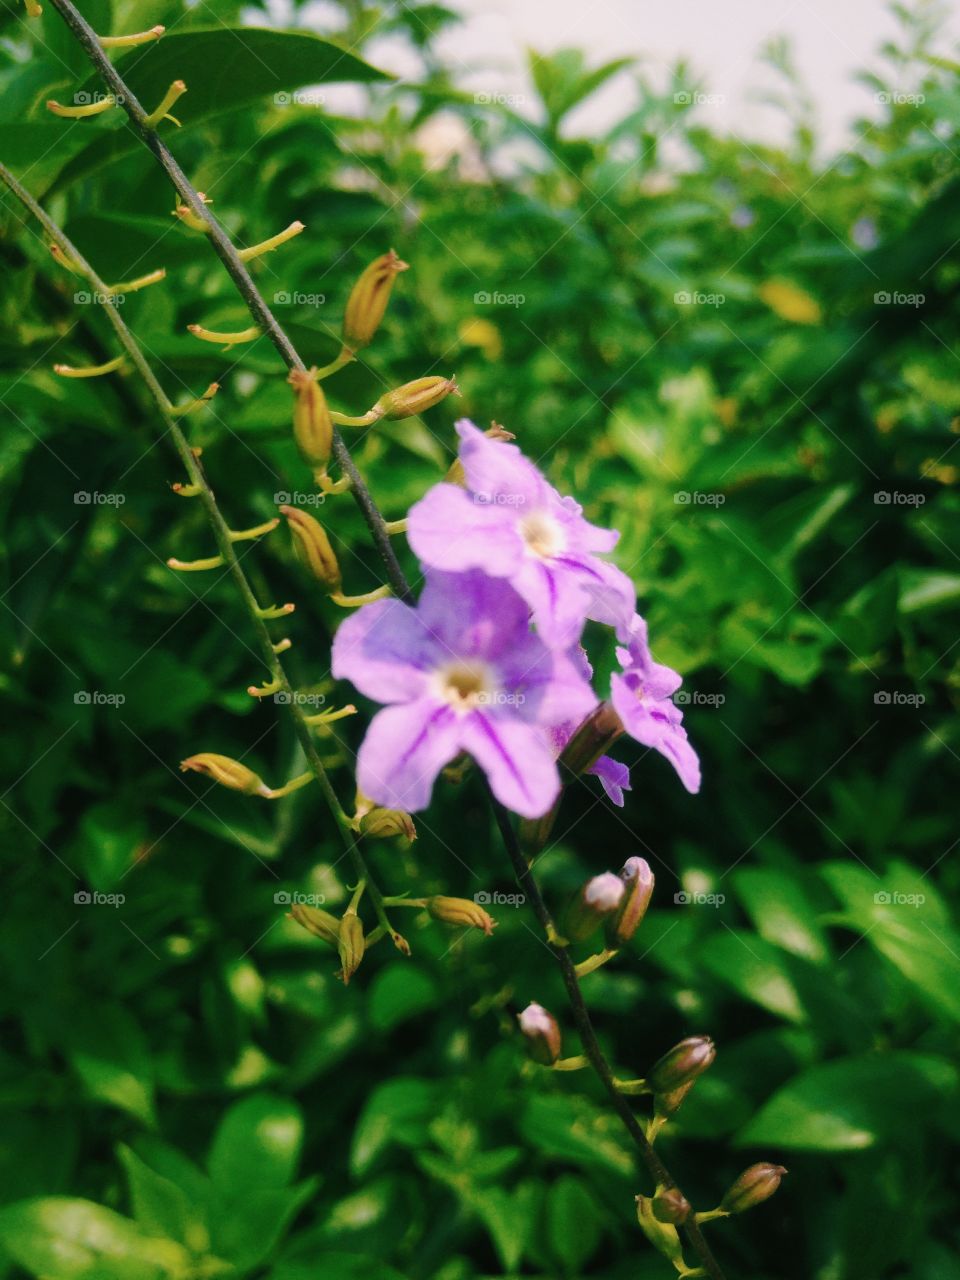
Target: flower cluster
{"type": "Point", "coordinates": [489, 661]}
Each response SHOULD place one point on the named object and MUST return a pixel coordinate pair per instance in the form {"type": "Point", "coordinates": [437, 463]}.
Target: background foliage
{"type": "Point", "coordinates": [186, 1090]}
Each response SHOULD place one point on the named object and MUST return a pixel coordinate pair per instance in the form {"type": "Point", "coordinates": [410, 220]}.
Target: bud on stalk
{"type": "Point", "coordinates": [312, 424]}
{"type": "Point", "coordinates": [415, 397]}
{"type": "Point", "coordinates": [313, 547]}
{"type": "Point", "coordinates": [594, 737]}
{"type": "Point", "coordinates": [638, 879]}
{"type": "Point", "coordinates": [542, 1034]}
{"type": "Point", "coordinates": [671, 1206]}
{"type": "Point", "coordinates": [596, 901]}
{"type": "Point", "coordinates": [662, 1235]}
{"type": "Point", "coordinates": [229, 773]}
{"type": "Point", "coordinates": [756, 1184]}
{"type": "Point", "coordinates": [383, 824]}
{"type": "Point", "coordinates": [460, 911]}
{"type": "Point", "coordinates": [368, 301]}
{"type": "Point", "coordinates": [320, 923]}
{"type": "Point", "coordinates": [682, 1065]}
{"type": "Point", "coordinates": [350, 944]}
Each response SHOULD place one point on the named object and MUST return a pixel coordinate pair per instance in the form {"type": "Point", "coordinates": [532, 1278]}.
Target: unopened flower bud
{"type": "Point", "coordinates": [383, 824]}
{"type": "Point", "coordinates": [460, 911]}
{"type": "Point", "coordinates": [596, 901]}
{"type": "Point", "coordinates": [671, 1206]}
{"type": "Point", "coordinates": [542, 1033]}
{"type": "Point", "coordinates": [638, 879]}
{"type": "Point", "coordinates": [312, 424]}
{"type": "Point", "coordinates": [313, 547]}
{"type": "Point", "coordinates": [415, 397]}
{"type": "Point", "coordinates": [662, 1235]}
{"type": "Point", "coordinates": [668, 1104]}
{"type": "Point", "coordinates": [756, 1184]}
{"type": "Point", "coordinates": [229, 773]}
{"type": "Point", "coordinates": [368, 301]}
{"type": "Point", "coordinates": [320, 923]}
{"type": "Point", "coordinates": [350, 944]}
{"type": "Point", "coordinates": [593, 738]}
{"type": "Point", "coordinates": [682, 1065]}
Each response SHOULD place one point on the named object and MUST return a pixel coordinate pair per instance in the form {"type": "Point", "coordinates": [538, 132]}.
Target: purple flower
{"type": "Point", "coordinates": [461, 672]}
{"type": "Point", "coordinates": [512, 524]}
{"type": "Point", "coordinates": [642, 697]}
{"type": "Point", "coordinates": [614, 776]}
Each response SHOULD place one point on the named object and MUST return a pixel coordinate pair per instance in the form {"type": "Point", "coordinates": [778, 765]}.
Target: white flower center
{"type": "Point", "coordinates": [465, 684]}
{"type": "Point", "coordinates": [542, 534]}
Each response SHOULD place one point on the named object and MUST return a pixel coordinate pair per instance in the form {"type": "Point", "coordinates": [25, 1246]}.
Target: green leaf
{"type": "Point", "coordinates": [573, 1129]}
{"type": "Point", "coordinates": [398, 1111]}
{"type": "Point", "coordinates": [109, 1053]}
{"type": "Point", "coordinates": [782, 910]}
{"type": "Point", "coordinates": [257, 1145]}
{"type": "Point", "coordinates": [572, 1223]}
{"type": "Point", "coordinates": [161, 1207]}
{"type": "Point", "coordinates": [60, 1238]}
{"type": "Point", "coordinates": [922, 590]}
{"type": "Point", "coordinates": [853, 1103]}
{"type": "Point", "coordinates": [399, 993]}
{"type": "Point", "coordinates": [755, 969]}
{"type": "Point", "coordinates": [247, 1229]}
{"type": "Point", "coordinates": [509, 1217]}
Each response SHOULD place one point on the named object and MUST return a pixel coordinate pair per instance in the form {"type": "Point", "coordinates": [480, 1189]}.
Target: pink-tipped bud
{"type": "Point", "coordinates": [638, 879]}
{"type": "Point", "coordinates": [542, 1034]}
{"type": "Point", "coordinates": [682, 1065]}
{"type": "Point", "coordinates": [460, 911]}
{"type": "Point", "coordinates": [671, 1206]}
{"type": "Point", "coordinates": [599, 898]}
{"type": "Point", "coordinates": [756, 1184]}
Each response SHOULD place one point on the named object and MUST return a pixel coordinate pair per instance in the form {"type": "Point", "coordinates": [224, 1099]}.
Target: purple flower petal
{"type": "Point", "coordinates": [404, 750]}
{"type": "Point", "coordinates": [516, 759]}
{"type": "Point", "coordinates": [385, 651]}
{"type": "Point", "coordinates": [452, 529]}
{"type": "Point", "coordinates": [499, 472]}
{"type": "Point", "coordinates": [614, 777]}
{"type": "Point", "coordinates": [471, 614]}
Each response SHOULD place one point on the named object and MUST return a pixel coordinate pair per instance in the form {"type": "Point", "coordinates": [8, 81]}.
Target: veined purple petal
{"type": "Point", "coordinates": [385, 651]}
{"type": "Point", "coordinates": [473, 615]}
{"type": "Point", "coordinates": [656, 724]}
{"type": "Point", "coordinates": [614, 778]}
{"type": "Point", "coordinates": [516, 759]}
{"type": "Point", "coordinates": [454, 530]}
{"type": "Point", "coordinates": [404, 750]}
{"type": "Point", "coordinates": [557, 598]}
{"type": "Point", "coordinates": [499, 472]}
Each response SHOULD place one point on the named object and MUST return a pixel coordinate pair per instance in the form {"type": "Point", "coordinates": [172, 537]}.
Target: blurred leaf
{"type": "Point", "coordinates": [257, 1145]}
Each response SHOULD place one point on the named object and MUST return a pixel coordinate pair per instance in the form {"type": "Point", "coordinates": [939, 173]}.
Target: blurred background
{"type": "Point", "coordinates": [709, 276]}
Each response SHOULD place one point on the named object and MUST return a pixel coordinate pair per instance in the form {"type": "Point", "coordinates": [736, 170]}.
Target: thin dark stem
{"type": "Point", "coordinates": [224, 248]}
{"type": "Point", "coordinates": [658, 1171]}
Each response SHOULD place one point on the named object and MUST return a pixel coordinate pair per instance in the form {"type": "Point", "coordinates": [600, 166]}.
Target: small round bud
{"type": "Point", "coordinates": [639, 880]}
{"type": "Point", "coordinates": [350, 944]}
{"type": "Point", "coordinates": [542, 1034]}
{"type": "Point", "coordinates": [597, 900]}
{"type": "Point", "coordinates": [756, 1184]}
{"type": "Point", "coordinates": [682, 1065]}
{"type": "Point", "coordinates": [415, 397]}
{"type": "Point", "coordinates": [460, 911]}
{"type": "Point", "coordinates": [320, 923]}
{"type": "Point", "coordinates": [312, 424]}
{"type": "Point", "coordinates": [313, 547]}
{"type": "Point", "coordinates": [671, 1206]}
{"type": "Point", "coordinates": [229, 773]}
{"type": "Point", "coordinates": [368, 301]}
{"type": "Point", "coordinates": [384, 824]}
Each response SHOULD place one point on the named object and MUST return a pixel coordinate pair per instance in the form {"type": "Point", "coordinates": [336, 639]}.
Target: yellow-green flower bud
{"type": "Point", "coordinates": [383, 824]}
{"type": "Point", "coordinates": [671, 1206]}
{"type": "Point", "coordinates": [460, 911]}
{"type": "Point", "coordinates": [542, 1034]}
{"type": "Point", "coordinates": [229, 773]}
{"type": "Point", "coordinates": [638, 879]}
{"type": "Point", "coordinates": [350, 945]}
{"type": "Point", "coordinates": [312, 424]}
{"type": "Point", "coordinates": [756, 1184]}
{"type": "Point", "coordinates": [415, 397]}
{"type": "Point", "coordinates": [368, 301]}
{"type": "Point", "coordinates": [313, 547]}
{"type": "Point", "coordinates": [662, 1235]}
{"type": "Point", "coordinates": [597, 900]}
{"type": "Point", "coordinates": [320, 923]}
{"type": "Point", "coordinates": [682, 1065]}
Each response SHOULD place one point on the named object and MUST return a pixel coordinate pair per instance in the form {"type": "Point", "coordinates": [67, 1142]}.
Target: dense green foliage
{"type": "Point", "coordinates": [685, 330]}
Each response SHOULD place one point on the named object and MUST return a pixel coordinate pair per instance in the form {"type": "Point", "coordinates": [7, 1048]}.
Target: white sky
{"type": "Point", "coordinates": [831, 40]}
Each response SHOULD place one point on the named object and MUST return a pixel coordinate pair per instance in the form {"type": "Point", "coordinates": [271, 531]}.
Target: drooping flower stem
{"type": "Point", "coordinates": [229, 255]}
{"type": "Point", "coordinates": [657, 1170]}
